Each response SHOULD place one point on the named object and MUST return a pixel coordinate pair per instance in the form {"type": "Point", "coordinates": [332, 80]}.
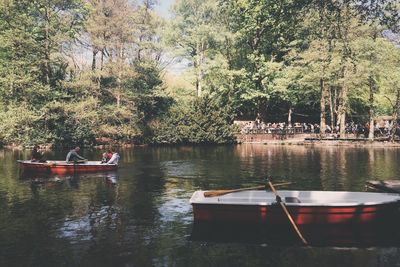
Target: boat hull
{"type": "Point", "coordinates": [61, 167]}
{"type": "Point", "coordinates": [303, 214]}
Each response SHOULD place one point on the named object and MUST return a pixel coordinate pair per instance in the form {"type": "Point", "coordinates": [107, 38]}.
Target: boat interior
{"type": "Point", "coordinates": [304, 198]}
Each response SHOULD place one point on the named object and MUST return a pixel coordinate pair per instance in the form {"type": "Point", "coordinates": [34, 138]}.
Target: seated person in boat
{"type": "Point", "coordinates": [106, 156]}
{"type": "Point", "coordinates": [37, 156]}
{"type": "Point", "coordinates": [73, 156]}
{"type": "Point", "coordinates": [114, 159]}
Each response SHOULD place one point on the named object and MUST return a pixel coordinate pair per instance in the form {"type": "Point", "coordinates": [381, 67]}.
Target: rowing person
{"type": "Point", "coordinates": [37, 155]}
{"type": "Point", "coordinates": [74, 157]}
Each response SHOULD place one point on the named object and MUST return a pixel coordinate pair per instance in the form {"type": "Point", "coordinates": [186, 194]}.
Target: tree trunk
{"type": "Point", "coordinates": [342, 126]}
{"type": "Point", "coordinates": [343, 104]}
{"type": "Point", "coordinates": [102, 59]}
{"type": "Point", "coordinates": [395, 116]}
{"type": "Point", "coordinates": [322, 107]}
{"type": "Point", "coordinates": [371, 109]}
{"type": "Point", "coordinates": [335, 100]}
{"type": "Point", "coordinates": [118, 97]}
{"type": "Point", "coordinates": [331, 108]}
{"type": "Point", "coordinates": [262, 109]}
{"type": "Point", "coordinates": [94, 59]}
{"type": "Point", "coordinates": [118, 93]}
{"type": "Point", "coordinates": [199, 83]}
{"type": "Point", "coordinates": [47, 46]}
{"type": "Point", "coordinates": [290, 112]}
{"type": "Point", "coordinates": [372, 90]}
{"type": "Point", "coordinates": [199, 69]}
{"type": "Point", "coordinates": [342, 110]}
{"type": "Point", "coordinates": [120, 62]}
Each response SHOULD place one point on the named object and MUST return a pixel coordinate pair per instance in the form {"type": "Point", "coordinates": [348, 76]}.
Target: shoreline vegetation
{"type": "Point", "coordinates": [87, 73]}
{"type": "Point", "coordinates": [314, 142]}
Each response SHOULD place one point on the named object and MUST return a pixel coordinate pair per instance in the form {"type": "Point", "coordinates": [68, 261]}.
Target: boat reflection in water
{"type": "Point", "coordinates": [68, 180]}
{"type": "Point", "coordinates": [361, 235]}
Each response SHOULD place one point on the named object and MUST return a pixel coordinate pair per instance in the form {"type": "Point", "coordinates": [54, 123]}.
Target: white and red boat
{"type": "Point", "coordinates": [305, 207]}
{"type": "Point", "coordinates": [62, 167]}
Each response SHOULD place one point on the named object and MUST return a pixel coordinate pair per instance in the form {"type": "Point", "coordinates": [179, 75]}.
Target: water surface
{"type": "Point", "coordinates": [140, 215]}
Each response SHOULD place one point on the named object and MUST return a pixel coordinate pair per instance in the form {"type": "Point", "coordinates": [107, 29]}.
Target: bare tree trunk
{"type": "Point", "coordinates": [119, 76]}
{"type": "Point", "coordinates": [372, 90]}
{"type": "Point", "coordinates": [335, 100]}
{"type": "Point", "coordinates": [198, 64]}
{"type": "Point", "coordinates": [371, 133]}
{"type": "Point", "coordinates": [118, 95]}
{"type": "Point", "coordinates": [395, 116]}
{"type": "Point", "coordinates": [94, 59]}
{"type": "Point", "coordinates": [118, 98]}
{"type": "Point", "coordinates": [290, 112]}
{"type": "Point", "coordinates": [102, 59]}
{"type": "Point", "coordinates": [322, 107]}
{"type": "Point", "coordinates": [371, 109]}
{"type": "Point", "coordinates": [262, 109]}
{"type": "Point", "coordinates": [331, 108]}
{"type": "Point", "coordinates": [47, 46]}
{"type": "Point", "coordinates": [343, 104]}
{"type": "Point", "coordinates": [342, 111]}
{"type": "Point", "coordinates": [199, 83]}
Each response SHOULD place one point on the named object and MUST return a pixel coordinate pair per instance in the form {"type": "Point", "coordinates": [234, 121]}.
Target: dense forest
{"type": "Point", "coordinates": [100, 71]}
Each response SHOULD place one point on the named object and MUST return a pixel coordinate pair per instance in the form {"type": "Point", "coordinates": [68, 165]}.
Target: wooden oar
{"type": "Point", "coordinates": [216, 193]}
{"type": "Point", "coordinates": [279, 200]}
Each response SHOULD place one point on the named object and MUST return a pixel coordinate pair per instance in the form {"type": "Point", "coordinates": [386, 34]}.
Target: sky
{"type": "Point", "coordinates": [163, 7]}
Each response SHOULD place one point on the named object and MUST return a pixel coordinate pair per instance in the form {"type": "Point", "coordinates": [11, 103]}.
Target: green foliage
{"type": "Point", "coordinates": [247, 58]}
{"type": "Point", "coordinates": [118, 124]}
{"type": "Point", "coordinates": [204, 121]}
{"type": "Point", "coordinates": [147, 90]}
{"type": "Point", "coordinates": [47, 98]}
{"type": "Point", "coordinates": [64, 124]}
{"type": "Point", "coordinates": [18, 124]}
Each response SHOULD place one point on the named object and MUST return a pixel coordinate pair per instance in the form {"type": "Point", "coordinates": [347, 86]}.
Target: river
{"type": "Point", "coordinates": [141, 216]}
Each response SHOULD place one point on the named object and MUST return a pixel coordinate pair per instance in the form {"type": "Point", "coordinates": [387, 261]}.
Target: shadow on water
{"type": "Point", "coordinates": [348, 235]}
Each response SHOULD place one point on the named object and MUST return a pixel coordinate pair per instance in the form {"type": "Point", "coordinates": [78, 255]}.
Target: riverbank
{"type": "Point", "coordinates": [51, 147]}
{"type": "Point", "coordinates": [301, 139]}
{"type": "Point", "coordinates": [312, 140]}
{"type": "Point", "coordinates": [332, 143]}
{"type": "Point", "coordinates": [338, 142]}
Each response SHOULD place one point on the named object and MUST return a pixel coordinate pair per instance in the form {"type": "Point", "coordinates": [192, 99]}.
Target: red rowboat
{"type": "Point", "coordinates": [62, 167]}
{"type": "Point", "coordinates": [306, 207]}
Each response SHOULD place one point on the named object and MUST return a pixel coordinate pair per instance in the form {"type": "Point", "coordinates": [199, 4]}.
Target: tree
{"type": "Point", "coordinates": [33, 35]}
{"type": "Point", "coordinates": [194, 33]}
{"type": "Point", "coordinates": [204, 121]}
{"type": "Point", "coordinates": [148, 27]}
{"type": "Point", "coordinates": [32, 65]}
{"type": "Point", "coordinates": [377, 14]}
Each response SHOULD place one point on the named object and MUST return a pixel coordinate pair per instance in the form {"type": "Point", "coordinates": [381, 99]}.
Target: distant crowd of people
{"type": "Point", "coordinates": [382, 129]}
{"type": "Point", "coordinates": [255, 127]}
